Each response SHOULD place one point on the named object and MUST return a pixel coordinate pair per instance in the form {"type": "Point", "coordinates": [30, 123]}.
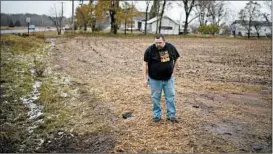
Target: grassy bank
{"type": "Point", "coordinates": [25, 60]}
{"type": "Point", "coordinates": [16, 82]}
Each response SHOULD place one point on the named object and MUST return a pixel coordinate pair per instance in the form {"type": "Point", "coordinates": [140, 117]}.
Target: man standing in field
{"type": "Point", "coordinates": [159, 62]}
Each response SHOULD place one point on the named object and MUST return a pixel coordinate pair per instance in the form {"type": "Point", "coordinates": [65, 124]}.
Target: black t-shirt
{"type": "Point", "coordinates": [161, 62]}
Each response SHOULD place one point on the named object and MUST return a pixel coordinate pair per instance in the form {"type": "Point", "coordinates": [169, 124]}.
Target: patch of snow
{"type": "Point", "coordinates": [35, 110]}
{"type": "Point", "coordinates": [53, 42]}
{"type": "Point", "coordinates": [32, 71]}
{"type": "Point", "coordinates": [63, 94]}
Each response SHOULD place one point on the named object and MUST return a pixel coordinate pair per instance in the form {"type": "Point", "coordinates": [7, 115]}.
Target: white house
{"type": "Point", "coordinates": [264, 28]}
{"type": "Point", "coordinates": [168, 26]}
{"type": "Point", "coordinates": [137, 22]}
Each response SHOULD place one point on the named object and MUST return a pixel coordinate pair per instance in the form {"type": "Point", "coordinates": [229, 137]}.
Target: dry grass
{"type": "Point", "coordinates": [12, 28]}
{"type": "Point", "coordinates": [20, 45]}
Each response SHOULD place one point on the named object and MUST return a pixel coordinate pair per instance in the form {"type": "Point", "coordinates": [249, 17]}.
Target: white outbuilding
{"type": "Point", "coordinates": [264, 28]}
{"type": "Point", "coordinates": [168, 26]}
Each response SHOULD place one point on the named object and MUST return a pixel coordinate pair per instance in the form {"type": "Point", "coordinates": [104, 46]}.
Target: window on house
{"type": "Point", "coordinates": [166, 27]}
{"type": "Point", "coordinates": [265, 30]}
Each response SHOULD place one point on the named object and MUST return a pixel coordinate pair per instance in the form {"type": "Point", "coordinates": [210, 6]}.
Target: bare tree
{"type": "Point", "coordinates": [188, 6]}
{"type": "Point", "coordinates": [216, 11]}
{"type": "Point", "coordinates": [221, 12]}
{"type": "Point", "coordinates": [132, 11]}
{"type": "Point", "coordinates": [157, 15]}
{"type": "Point", "coordinates": [268, 16]}
{"type": "Point", "coordinates": [154, 9]}
{"type": "Point", "coordinates": [57, 17]}
{"type": "Point", "coordinates": [124, 15]}
{"type": "Point", "coordinates": [202, 11]}
{"type": "Point", "coordinates": [146, 14]}
{"type": "Point", "coordinates": [161, 14]}
{"type": "Point", "coordinates": [108, 8]}
{"type": "Point", "coordinates": [257, 27]}
{"type": "Point", "coordinates": [157, 10]}
{"type": "Point", "coordinates": [250, 12]}
{"type": "Point", "coordinates": [73, 23]}
{"type": "Point", "coordinates": [114, 5]}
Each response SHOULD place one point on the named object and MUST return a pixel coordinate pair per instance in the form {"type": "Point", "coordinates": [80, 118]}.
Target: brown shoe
{"type": "Point", "coordinates": [173, 120]}
{"type": "Point", "coordinates": [156, 119]}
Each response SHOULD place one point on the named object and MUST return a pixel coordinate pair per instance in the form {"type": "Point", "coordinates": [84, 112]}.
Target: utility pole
{"type": "Point", "coordinates": [62, 15]}
{"type": "Point", "coordinates": [157, 18]}
{"type": "Point", "coordinates": [28, 21]}
{"type": "Point", "coordinates": [28, 29]}
{"type": "Point", "coordinates": [132, 16]}
{"type": "Point", "coordinates": [73, 16]}
{"type": "Point", "coordinates": [180, 23]}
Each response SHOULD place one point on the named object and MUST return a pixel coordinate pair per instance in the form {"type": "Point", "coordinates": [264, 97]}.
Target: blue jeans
{"type": "Point", "coordinates": [156, 90]}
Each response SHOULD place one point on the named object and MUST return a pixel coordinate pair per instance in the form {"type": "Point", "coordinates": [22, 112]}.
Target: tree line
{"type": "Point", "coordinates": [12, 20]}
{"type": "Point", "coordinates": [252, 13]}
{"type": "Point", "coordinates": [121, 12]}
{"type": "Point", "coordinates": [211, 15]}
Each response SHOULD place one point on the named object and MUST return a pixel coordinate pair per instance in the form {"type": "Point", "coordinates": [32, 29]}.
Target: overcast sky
{"type": "Point", "coordinates": [43, 7]}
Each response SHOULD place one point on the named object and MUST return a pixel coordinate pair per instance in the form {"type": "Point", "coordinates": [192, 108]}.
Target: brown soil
{"type": "Point", "coordinates": [223, 95]}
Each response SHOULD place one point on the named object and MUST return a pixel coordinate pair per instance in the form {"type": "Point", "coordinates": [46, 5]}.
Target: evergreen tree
{"type": "Point", "coordinates": [17, 23]}
{"type": "Point", "coordinates": [11, 23]}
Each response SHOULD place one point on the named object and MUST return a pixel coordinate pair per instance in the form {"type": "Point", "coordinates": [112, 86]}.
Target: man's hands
{"type": "Point", "coordinates": [146, 83]}
{"type": "Point", "coordinates": [145, 74]}
{"type": "Point", "coordinates": [176, 67]}
{"type": "Point", "coordinates": [175, 70]}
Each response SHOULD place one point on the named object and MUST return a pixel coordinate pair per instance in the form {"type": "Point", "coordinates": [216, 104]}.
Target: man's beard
{"type": "Point", "coordinates": [159, 47]}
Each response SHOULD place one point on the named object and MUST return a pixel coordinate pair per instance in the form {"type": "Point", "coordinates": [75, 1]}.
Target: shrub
{"type": "Point", "coordinates": [208, 29]}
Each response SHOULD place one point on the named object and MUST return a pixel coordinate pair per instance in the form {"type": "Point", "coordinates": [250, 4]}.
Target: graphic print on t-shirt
{"type": "Point", "coordinates": [164, 56]}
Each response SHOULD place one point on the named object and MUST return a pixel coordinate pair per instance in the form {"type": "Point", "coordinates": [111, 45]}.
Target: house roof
{"type": "Point", "coordinates": [152, 20]}
{"type": "Point", "coordinates": [157, 18]}
{"type": "Point", "coordinates": [139, 17]}
{"type": "Point", "coordinates": [254, 22]}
